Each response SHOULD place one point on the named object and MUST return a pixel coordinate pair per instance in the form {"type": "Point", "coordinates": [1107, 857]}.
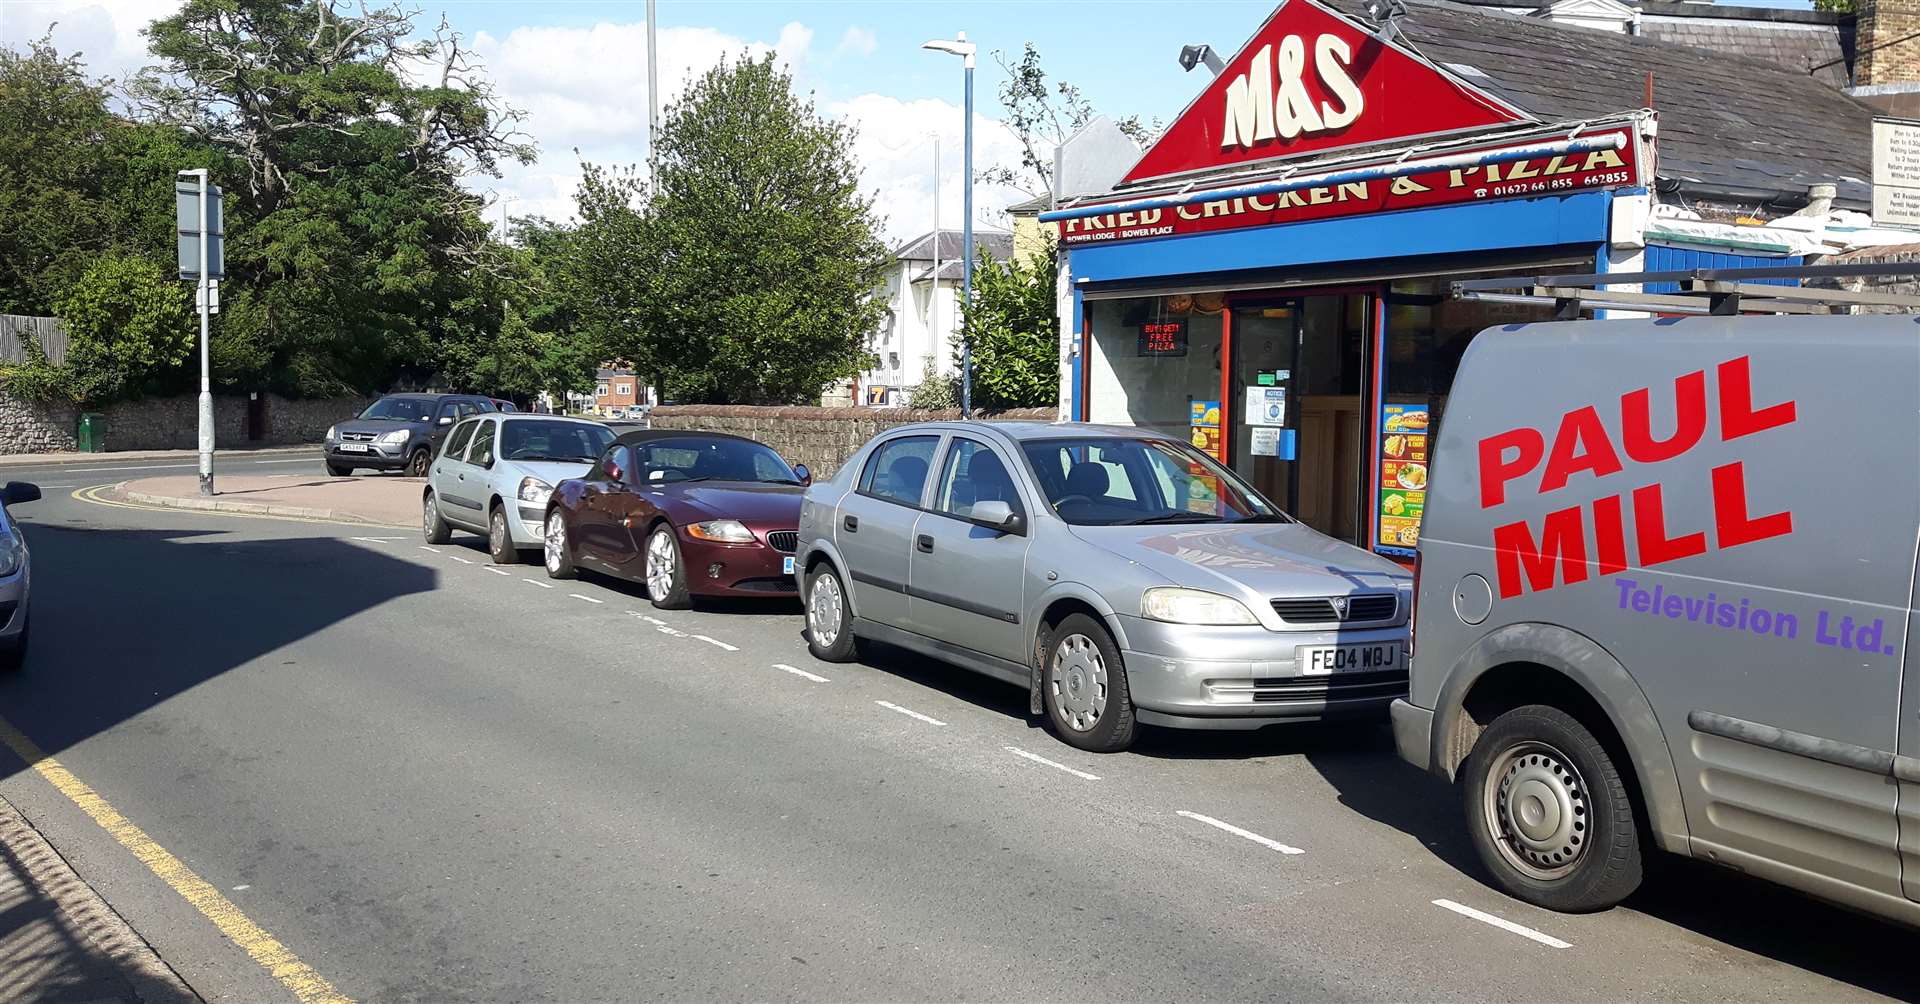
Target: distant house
{"type": "Point", "coordinates": [1030, 236]}
{"type": "Point", "coordinates": [615, 389]}
{"type": "Point", "coordinates": [923, 317]}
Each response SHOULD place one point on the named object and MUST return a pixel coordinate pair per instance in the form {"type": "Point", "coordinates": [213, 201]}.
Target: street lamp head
{"type": "Point", "coordinates": [958, 46]}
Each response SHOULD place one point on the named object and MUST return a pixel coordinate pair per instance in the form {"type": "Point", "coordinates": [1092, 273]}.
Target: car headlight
{"type": "Point", "coordinates": [332, 434]}
{"type": "Point", "coordinates": [1177, 605]}
{"type": "Point", "coordinates": [535, 491]}
{"type": "Point", "coordinates": [726, 531]}
{"type": "Point", "coordinates": [13, 552]}
{"type": "Point", "coordinates": [396, 436]}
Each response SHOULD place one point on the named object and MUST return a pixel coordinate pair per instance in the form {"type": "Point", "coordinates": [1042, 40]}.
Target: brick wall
{"type": "Point", "coordinates": [821, 438]}
{"type": "Point", "coordinates": [170, 423]}
{"type": "Point", "coordinates": [1885, 23]}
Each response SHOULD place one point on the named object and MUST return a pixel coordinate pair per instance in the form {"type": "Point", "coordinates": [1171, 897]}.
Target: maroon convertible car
{"type": "Point", "coordinates": [684, 513]}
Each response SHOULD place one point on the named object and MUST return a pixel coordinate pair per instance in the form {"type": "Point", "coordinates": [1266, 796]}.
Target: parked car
{"type": "Point", "coordinates": [502, 404]}
{"type": "Point", "coordinates": [1671, 605]}
{"type": "Point", "coordinates": [1118, 574]}
{"type": "Point", "coordinates": [685, 513]}
{"type": "Point", "coordinates": [496, 472]}
{"type": "Point", "coordinates": [16, 575]}
{"type": "Point", "coordinates": [399, 432]}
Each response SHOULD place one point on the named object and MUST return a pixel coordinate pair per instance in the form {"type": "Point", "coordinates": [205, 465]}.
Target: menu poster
{"type": "Point", "coordinates": [1163, 338]}
{"type": "Point", "coordinates": [1203, 428]}
{"type": "Point", "coordinates": [1403, 475]}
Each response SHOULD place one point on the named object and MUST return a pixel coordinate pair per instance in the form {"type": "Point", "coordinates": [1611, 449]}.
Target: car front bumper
{"type": "Point", "coordinates": [13, 604]}
{"type": "Point", "coordinates": [379, 456]}
{"type": "Point", "coordinates": [1191, 676]}
{"type": "Point", "coordinates": [735, 569]}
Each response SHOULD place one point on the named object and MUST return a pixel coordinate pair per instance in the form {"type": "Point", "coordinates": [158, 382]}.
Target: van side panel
{"type": "Point", "coordinates": [1726, 507]}
{"type": "Point", "coordinates": [1907, 766]}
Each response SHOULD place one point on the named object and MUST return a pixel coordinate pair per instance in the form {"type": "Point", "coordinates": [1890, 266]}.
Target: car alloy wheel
{"type": "Point", "coordinates": [555, 545]}
{"type": "Point", "coordinates": [1537, 805]}
{"type": "Point", "coordinates": [660, 562]}
{"type": "Point", "coordinates": [825, 610]}
{"type": "Point", "coordinates": [1077, 676]}
{"type": "Point", "coordinates": [417, 464]}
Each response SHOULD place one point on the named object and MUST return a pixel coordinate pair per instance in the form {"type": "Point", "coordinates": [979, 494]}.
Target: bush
{"type": "Point", "coordinates": [130, 326]}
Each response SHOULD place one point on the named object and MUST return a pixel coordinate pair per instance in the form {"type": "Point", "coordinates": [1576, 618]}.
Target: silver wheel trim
{"type": "Point", "coordinates": [429, 513]}
{"type": "Point", "coordinates": [1077, 678]}
{"type": "Point", "coordinates": [555, 537]}
{"type": "Point", "coordinates": [497, 531]}
{"type": "Point", "coordinates": [660, 563]}
{"type": "Point", "coordinates": [824, 610]}
{"type": "Point", "coordinates": [1536, 810]}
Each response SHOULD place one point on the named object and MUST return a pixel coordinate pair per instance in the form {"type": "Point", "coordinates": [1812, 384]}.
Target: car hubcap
{"type": "Point", "coordinates": [497, 535]}
{"type": "Point", "coordinates": [823, 610]}
{"type": "Point", "coordinates": [1078, 679]}
{"type": "Point", "coordinates": [556, 538]}
{"type": "Point", "coordinates": [659, 564]}
{"type": "Point", "coordinates": [429, 515]}
{"type": "Point", "coordinates": [1537, 810]}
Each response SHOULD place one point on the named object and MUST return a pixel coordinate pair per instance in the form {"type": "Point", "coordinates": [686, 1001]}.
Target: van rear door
{"type": "Point", "coordinates": [1906, 766]}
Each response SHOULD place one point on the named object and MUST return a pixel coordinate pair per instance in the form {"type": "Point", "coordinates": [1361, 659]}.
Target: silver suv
{"type": "Point", "coordinates": [1117, 573]}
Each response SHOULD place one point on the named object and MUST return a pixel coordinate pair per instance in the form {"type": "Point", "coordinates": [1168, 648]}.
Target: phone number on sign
{"type": "Point", "coordinates": [1556, 184]}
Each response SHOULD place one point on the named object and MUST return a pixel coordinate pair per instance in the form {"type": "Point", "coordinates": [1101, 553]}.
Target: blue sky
{"type": "Point", "coordinates": [576, 68]}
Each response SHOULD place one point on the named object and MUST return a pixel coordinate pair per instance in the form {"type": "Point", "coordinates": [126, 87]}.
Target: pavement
{"type": "Point", "coordinates": [376, 500]}
{"type": "Point", "coordinates": [340, 763]}
{"type": "Point", "coordinates": [11, 460]}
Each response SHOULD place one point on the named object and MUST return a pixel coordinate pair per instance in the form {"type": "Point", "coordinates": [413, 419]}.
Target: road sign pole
{"type": "Point", "coordinates": [206, 385]}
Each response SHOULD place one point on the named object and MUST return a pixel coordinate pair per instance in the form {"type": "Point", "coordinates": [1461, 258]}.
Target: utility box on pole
{"type": "Point", "coordinates": [202, 231]}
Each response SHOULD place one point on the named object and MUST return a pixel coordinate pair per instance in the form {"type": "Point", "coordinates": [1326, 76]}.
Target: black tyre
{"type": "Point", "coordinates": [500, 539]}
{"type": "Point", "coordinates": [829, 618]}
{"type": "Point", "coordinates": [666, 576]}
{"type": "Point", "coordinates": [432, 526]}
{"type": "Point", "coordinates": [555, 548]}
{"type": "Point", "coordinates": [1549, 813]}
{"type": "Point", "coordinates": [339, 470]}
{"type": "Point", "coordinates": [418, 463]}
{"type": "Point", "coordinates": [1083, 685]}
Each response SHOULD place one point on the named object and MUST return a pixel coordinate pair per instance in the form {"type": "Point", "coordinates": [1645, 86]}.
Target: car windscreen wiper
{"type": "Point", "coordinates": [1170, 517]}
{"type": "Point", "coordinates": [1262, 517]}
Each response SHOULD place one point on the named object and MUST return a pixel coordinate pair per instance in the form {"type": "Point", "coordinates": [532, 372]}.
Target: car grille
{"type": "Point", "coordinates": [783, 541]}
{"type": "Point", "coordinates": [1322, 609]}
{"type": "Point", "coordinates": [357, 437]}
{"type": "Point", "coordinates": [1383, 685]}
{"type": "Point", "coordinates": [782, 584]}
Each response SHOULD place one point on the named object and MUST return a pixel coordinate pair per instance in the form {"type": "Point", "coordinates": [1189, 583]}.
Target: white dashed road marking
{"type": "Point", "coordinates": [459, 559]}
{"type": "Point", "coordinates": [659, 625]}
{"type": "Point", "coordinates": [1037, 758]}
{"type": "Point", "coordinates": [497, 571]}
{"type": "Point", "coordinates": [801, 673]}
{"type": "Point", "coordinates": [424, 547]}
{"type": "Point", "coordinates": [589, 599]}
{"type": "Point", "coordinates": [1505, 925]}
{"type": "Point", "coordinates": [374, 540]}
{"type": "Point", "coordinates": [910, 713]}
{"type": "Point", "coordinates": [537, 582]}
{"type": "Point", "coordinates": [717, 642]}
{"type": "Point", "coordinates": [1238, 832]}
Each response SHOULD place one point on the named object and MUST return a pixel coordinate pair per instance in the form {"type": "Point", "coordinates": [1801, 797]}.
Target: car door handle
{"type": "Point", "coordinates": [924, 542]}
{"type": "Point", "coordinates": [852, 523]}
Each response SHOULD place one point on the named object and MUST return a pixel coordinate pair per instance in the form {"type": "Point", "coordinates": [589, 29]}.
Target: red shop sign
{"type": "Point", "coordinates": [1554, 174]}
{"type": "Point", "coordinates": [1311, 81]}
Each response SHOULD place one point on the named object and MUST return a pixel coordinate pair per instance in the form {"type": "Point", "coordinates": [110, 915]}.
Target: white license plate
{"type": "Point", "coordinates": [1322, 660]}
{"type": "Point", "coordinates": [355, 448]}
{"type": "Point", "coordinates": [786, 565]}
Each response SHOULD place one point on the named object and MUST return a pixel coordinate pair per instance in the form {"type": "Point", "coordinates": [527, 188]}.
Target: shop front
{"type": "Point", "coordinates": [1270, 281]}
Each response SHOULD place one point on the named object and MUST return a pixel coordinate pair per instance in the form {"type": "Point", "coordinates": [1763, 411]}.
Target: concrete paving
{"type": "Point", "coordinates": [377, 500]}
{"type": "Point", "coordinates": [428, 777]}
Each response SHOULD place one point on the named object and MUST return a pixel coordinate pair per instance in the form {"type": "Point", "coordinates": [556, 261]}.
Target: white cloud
{"type": "Point", "coordinates": [105, 32]}
{"type": "Point", "coordinates": [856, 41]}
{"type": "Point", "coordinates": [895, 148]}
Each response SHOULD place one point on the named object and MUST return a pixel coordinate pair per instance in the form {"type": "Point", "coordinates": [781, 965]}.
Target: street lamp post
{"type": "Point", "coordinates": [959, 46]}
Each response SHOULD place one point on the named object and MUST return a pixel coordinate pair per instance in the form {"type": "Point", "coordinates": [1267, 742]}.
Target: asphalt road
{"type": "Point", "coordinates": [430, 780]}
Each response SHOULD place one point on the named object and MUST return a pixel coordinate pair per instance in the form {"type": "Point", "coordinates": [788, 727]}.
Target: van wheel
{"type": "Point", "coordinates": [1549, 813]}
{"type": "Point", "coordinates": [1084, 687]}
{"type": "Point", "coordinates": [829, 624]}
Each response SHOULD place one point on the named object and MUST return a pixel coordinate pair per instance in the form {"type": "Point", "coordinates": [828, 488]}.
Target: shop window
{"type": "Point", "coordinates": [1153, 358]}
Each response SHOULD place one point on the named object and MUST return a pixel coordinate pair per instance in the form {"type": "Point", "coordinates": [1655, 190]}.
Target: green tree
{"type": "Point", "coordinates": [1015, 331]}
{"type": "Point", "coordinates": [756, 257]}
{"type": "Point", "coordinates": [1041, 114]}
{"type": "Point", "coordinates": [130, 327]}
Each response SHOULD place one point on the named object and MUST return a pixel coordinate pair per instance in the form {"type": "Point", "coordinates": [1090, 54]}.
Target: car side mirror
{"type": "Point", "coordinates": [21, 491]}
{"type": "Point", "coordinates": [995, 514]}
{"type": "Point", "coordinates": [614, 473]}
{"type": "Point", "coordinates": [446, 420]}
{"type": "Point", "coordinates": [801, 472]}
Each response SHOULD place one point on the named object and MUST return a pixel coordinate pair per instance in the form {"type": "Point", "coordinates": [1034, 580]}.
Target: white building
{"type": "Point", "coordinates": [922, 322]}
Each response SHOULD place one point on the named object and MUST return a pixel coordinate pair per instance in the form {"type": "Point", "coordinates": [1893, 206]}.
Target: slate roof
{"type": "Point", "coordinates": [998, 243]}
{"type": "Point", "coordinates": [1037, 204]}
{"type": "Point", "coordinates": [1798, 40]}
{"type": "Point", "coordinates": [1729, 125]}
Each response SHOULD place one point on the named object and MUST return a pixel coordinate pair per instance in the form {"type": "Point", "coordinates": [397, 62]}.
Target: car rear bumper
{"type": "Point", "coordinates": [1245, 677]}
{"type": "Point", "coordinates": [735, 569]}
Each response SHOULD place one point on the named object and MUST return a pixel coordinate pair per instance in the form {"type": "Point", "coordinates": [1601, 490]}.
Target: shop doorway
{"type": "Point", "coordinates": [1297, 386]}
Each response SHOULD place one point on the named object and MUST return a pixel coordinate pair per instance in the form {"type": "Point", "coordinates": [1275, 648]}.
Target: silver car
{"type": "Point", "coordinates": [494, 473]}
{"type": "Point", "coordinates": [16, 573]}
{"type": "Point", "coordinates": [1118, 574]}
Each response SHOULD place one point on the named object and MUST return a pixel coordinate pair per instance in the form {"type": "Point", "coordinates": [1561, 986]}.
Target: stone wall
{"type": "Point", "coordinates": [821, 438]}
{"type": "Point", "coordinates": [170, 423]}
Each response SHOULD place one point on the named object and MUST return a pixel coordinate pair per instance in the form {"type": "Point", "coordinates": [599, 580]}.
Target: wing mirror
{"type": "Point", "coordinates": [446, 420]}
{"type": "Point", "coordinates": [801, 472]}
{"type": "Point", "coordinates": [614, 473]}
{"type": "Point", "coordinates": [17, 492]}
{"type": "Point", "coordinates": [995, 514]}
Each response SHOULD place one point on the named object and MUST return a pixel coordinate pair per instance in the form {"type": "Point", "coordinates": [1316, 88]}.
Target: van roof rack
{"type": "Point", "coordinates": [1719, 292]}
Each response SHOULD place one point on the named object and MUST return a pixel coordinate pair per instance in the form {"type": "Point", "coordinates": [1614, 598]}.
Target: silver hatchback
{"type": "Point", "coordinates": [1118, 574]}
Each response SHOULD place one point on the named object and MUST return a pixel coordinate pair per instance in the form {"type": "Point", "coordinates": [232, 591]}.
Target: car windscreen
{"type": "Point", "coordinates": [546, 439]}
{"type": "Point", "coordinates": [399, 409]}
{"type": "Point", "coordinates": [705, 458]}
{"type": "Point", "coordinates": [1110, 481]}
